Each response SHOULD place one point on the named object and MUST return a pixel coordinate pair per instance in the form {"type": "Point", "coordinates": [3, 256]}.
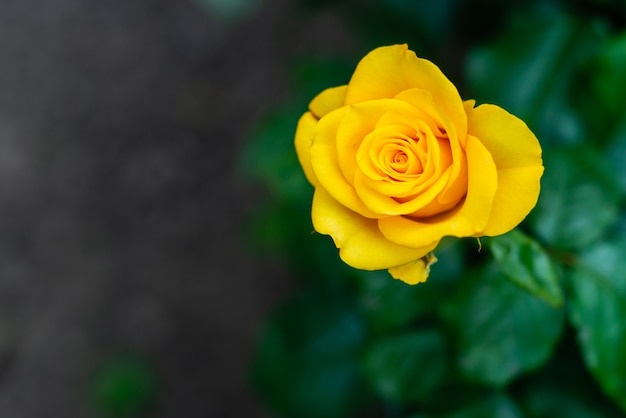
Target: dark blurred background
{"type": "Point", "coordinates": [124, 286]}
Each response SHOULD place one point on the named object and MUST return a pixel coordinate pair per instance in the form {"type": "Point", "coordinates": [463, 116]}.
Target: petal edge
{"type": "Point", "coordinates": [360, 242]}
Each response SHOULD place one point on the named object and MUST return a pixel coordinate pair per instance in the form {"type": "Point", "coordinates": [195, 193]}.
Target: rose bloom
{"type": "Point", "coordinates": [399, 161]}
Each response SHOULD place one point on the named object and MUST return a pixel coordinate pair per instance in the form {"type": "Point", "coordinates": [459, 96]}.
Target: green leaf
{"type": "Point", "coordinates": [598, 311]}
{"type": "Point", "coordinates": [406, 367]}
{"type": "Point", "coordinates": [305, 364]}
{"type": "Point", "coordinates": [495, 405]}
{"type": "Point", "coordinates": [525, 263]}
{"type": "Point", "coordinates": [501, 330]}
{"type": "Point", "coordinates": [579, 199]}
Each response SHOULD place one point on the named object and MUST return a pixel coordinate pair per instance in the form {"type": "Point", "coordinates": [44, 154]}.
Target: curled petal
{"type": "Point", "coordinates": [303, 142]}
{"type": "Point", "coordinates": [325, 163]}
{"type": "Point", "coordinates": [327, 101]}
{"type": "Point", "coordinates": [457, 184]}
{"type": "Point", "coordinates": [384, 204]}
{"type": "Point", "coordinates": [360, 242]}
{"type": "Point", "coordinates": [469, 218]}
{"type": "Point", "coordinates": [389, 70]}
{"type": "Point", "coordinates": [517, 156]}
{"type": "Point", "coordinates": [359, 120]}
{"type": "Point", "coordinates": [363, 127]}
{"type": "Point", "coordinates": [416, 271]}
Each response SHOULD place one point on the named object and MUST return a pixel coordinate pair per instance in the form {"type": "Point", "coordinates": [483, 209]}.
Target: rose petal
{"type": "Point", "coordinates": [386, 71]}
{"type": "Point", "coordinates": [517, 155]}
{"type": "Point", "coordinates": [325, 163]}
{"type": "Point", "coordinates": [358, 122]}
{"type": "Point", "coordinates": [415, 272]}
{"type": "Point", "coordinates": [518, 191]}
{"type": "Point", "coordinates": [457, 184]}
{"type": "Point", "coordinates": [380, 203]}
{"type": "Point", "coordinates": [303, 141]}
{"type": "Point", "coordinates": [468, 219]}
{"type": "Point", "coordinates": [360, 242]}
{"type": "Point", "coordinates": [423, 101]}
{"type": "Point", "coordinates": [327, 101]}
{"type": "Point", "coordinates": [508, 139]}
{"type": "Point", "coordinates": [359, 126]}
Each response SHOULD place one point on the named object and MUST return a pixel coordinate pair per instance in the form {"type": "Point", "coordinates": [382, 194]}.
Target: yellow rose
{"type": "Point", "coordinates": [399, 161]}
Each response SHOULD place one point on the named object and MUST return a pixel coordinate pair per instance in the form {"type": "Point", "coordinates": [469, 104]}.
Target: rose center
{"type": "Point", "coordinates": [399, 162]}
{"type": "Point", "coordinates": [400, 157]}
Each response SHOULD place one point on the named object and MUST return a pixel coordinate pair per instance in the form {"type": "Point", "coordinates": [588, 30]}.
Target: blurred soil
{"type": "Point", "coordinates": [120, 209]}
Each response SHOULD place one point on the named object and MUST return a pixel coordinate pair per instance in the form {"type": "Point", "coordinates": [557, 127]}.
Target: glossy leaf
{"type": "Point", "coordinates": [501, 330]}
{"type": "Point", "coordinates": [525, 263]}
{"type": "Point", "coordinates": [598, 311]}
{"type": "Point", "coordinates": [579, 199]}
{"type": "Point", "coordinates": [406, 367]}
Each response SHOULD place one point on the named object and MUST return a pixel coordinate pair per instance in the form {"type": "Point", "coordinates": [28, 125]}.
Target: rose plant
{"type": "Point", "coordinates": [534, 326]}
{"type": "Point", "coordinates": [399, 161]}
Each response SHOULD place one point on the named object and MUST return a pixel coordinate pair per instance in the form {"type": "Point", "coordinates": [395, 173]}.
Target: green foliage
{"type": "Point", "coordinates": [531, 72]}
{"type": "Point", "coordinates": [608, 81]}
{"type": "Point", "coordinates": [306, 363]}
{"type": "Point", "coordinates": [524, 262]}
{"type": "Point", "coordinates": [598, 309]}
{"type": "Point", "coordinates": [579, 201]}
{"type": "Point", "coordinates": [501, 331]}
{"type": "Point", "coordinates": [406, 367]}
{"type": "Point", "coordinates": [497, 405]}
{"type": "Point", "coordinates": [531, 325]}
{"type": "Point", "coordinates": [270, 159]}
{"type": "Point", "coordinates": [563, 388]}
{"type": "Point", "coordinates": [388, 305]}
